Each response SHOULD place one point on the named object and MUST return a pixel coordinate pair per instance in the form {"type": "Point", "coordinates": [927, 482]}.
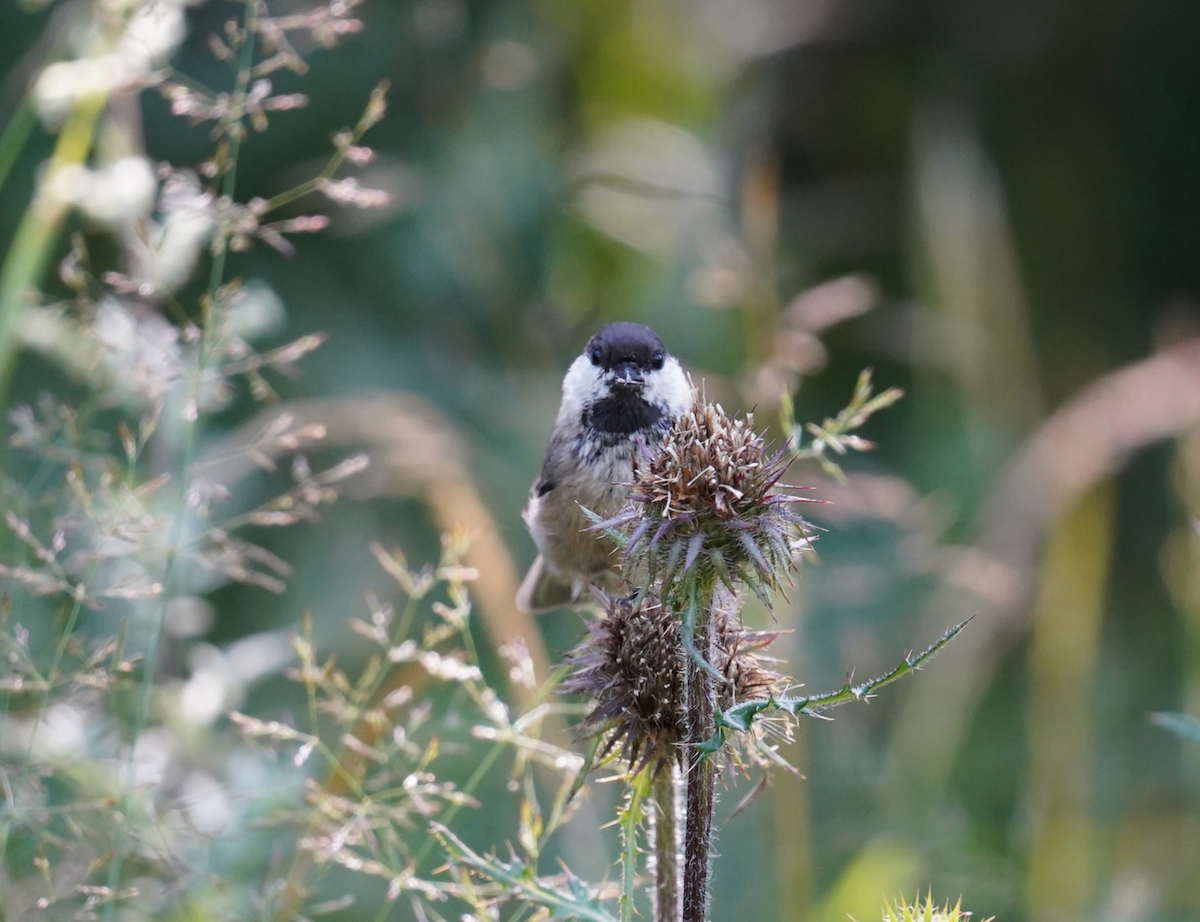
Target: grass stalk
{"type": "Point", "coordinates": [183, 478]}
{"type": "Point", "coordinates": [16, 133]}
{"type": "Point", "coordinates": [38, 231]}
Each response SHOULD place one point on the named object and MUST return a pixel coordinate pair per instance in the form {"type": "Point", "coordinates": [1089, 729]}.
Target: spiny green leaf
{"type": "Point", "coordinates": [713, 743]}
{"type": "Point", "coordinates": [695, 545]}
{"type": "Point", "coordinates": [630, 818]}
{"type": "Point", "coordinates": [575, 903]}
{"type": "Point", "coordinates": [811, 705]}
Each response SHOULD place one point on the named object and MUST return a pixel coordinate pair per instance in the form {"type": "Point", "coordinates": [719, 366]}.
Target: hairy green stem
{"type": "Point", "coordinates": [666, 848]}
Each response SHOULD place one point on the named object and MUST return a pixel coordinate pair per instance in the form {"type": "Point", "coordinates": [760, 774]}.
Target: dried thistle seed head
{"type": "Point", "coordinates": [710, 499]}
{"type": "Point", "coordinates": [737, 657]}
{"type": "Point", "coordinates": [633, 665]}
{"type": "Point", "coordinates": [709, 465]}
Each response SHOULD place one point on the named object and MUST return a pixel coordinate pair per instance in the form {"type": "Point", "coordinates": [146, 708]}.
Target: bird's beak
{"type": "Point", "coordinates": [627, 376]}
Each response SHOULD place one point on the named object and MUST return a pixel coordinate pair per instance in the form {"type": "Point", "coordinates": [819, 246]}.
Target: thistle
{"type": "Point", "coordinates": [678, 684]}
{"type": "Point", "coordinates": [704, 515]}
{"type": "Point", "coordinates": [633, 665]}
{"type": "Point", "coordinates": [708, 505]}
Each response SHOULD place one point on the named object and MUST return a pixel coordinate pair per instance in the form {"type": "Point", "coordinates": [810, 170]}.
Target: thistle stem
{"type": "Point", "coordinates": [666, 847]}
{"type": "Point", "coordinates": [701, 771]}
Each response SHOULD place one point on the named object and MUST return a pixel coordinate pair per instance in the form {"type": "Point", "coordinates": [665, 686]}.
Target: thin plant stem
{"type": "Point", "coordinates": [174, 542]}
{"type": "Point", "coordinates": [150, 667]}
{"type": "Point", "coordinates": [60, 650]}
{"type": "Point", "coordinates": [294, 890]}
{"type": "Point", "coordinates": [666, 847]}
{"type": "Point", "coordinates": [229, 179]}
{"type": "Point", "coordinates": [335, 161]}
{"type": "Point", "coordinates": [740, 716]}
{"type": "Point", "coordinates": [35, 238]}
{"type": "Point", "coordinates": [55, 663]}
{"type": "Point", "coordinates": [701, 770]}
{"type": "Point", "coordinates": [16, 133]}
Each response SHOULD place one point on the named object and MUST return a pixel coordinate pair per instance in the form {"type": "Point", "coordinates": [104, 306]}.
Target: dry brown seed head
{"type": "Point", "coordinates": [633, 664]}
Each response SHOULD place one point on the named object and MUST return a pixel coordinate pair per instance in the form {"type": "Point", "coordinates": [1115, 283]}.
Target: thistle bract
{"type": "Point", "coordinates": [900, 910]}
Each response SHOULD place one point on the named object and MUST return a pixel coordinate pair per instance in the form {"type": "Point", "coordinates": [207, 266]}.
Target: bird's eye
{"type": "Point", "coordinates": [597, 355]}
{"type": "Point", "coordinates": [657, 361]}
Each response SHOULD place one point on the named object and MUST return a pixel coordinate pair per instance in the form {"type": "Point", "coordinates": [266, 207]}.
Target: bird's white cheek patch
{"type": "Point", "coordinates": [670, 388]}
{"type": "Point", "coordinates": [582, 384]}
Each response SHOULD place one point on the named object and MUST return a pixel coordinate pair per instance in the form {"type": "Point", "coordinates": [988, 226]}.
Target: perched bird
{"type": "Point", "coordinates": [619, 397]}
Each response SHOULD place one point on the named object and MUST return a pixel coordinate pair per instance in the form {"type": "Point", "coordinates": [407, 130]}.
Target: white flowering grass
{"type": "Point", "coordinates": [117, 765]}
{"type": "Point", "coordinates": [137, 780]}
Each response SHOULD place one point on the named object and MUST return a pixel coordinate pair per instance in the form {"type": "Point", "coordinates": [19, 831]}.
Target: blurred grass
{"type": "Point", "coordinates": [1063, 670]}
{"type": "Point", "coordinates": [34, 242]}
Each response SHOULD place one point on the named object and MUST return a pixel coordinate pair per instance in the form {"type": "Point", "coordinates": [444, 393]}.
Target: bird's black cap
{"type": "Point", "coordinates": [625, 343]}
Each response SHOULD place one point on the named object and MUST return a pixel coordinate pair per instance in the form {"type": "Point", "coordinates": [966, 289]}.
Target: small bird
{"type": "Point", "coordinates": [621, 396]}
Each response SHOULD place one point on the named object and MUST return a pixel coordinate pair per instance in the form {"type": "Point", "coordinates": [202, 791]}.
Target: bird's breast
{"type": "Point", "coordinates": [605, 471]}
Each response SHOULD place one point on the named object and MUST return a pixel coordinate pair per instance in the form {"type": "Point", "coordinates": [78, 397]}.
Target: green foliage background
{"type": "Point", "coordinates": [1021, 181]}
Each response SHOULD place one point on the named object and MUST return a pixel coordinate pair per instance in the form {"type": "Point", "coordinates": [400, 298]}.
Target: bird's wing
{"type": "Point", "coordinates": [542, 590]}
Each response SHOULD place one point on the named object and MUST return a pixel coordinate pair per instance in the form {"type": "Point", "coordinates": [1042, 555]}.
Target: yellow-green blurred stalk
{"type": "Point", "coordinates": [1180, 565]}
{"type": "Point", "coordinates": [1063, 654]}
{"type": "Point", "coordinates": [885, 865]}
{"type": "Point", "coordinates": [34, 242]}
{"type": "Point", "coordinates": [793, 832]}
